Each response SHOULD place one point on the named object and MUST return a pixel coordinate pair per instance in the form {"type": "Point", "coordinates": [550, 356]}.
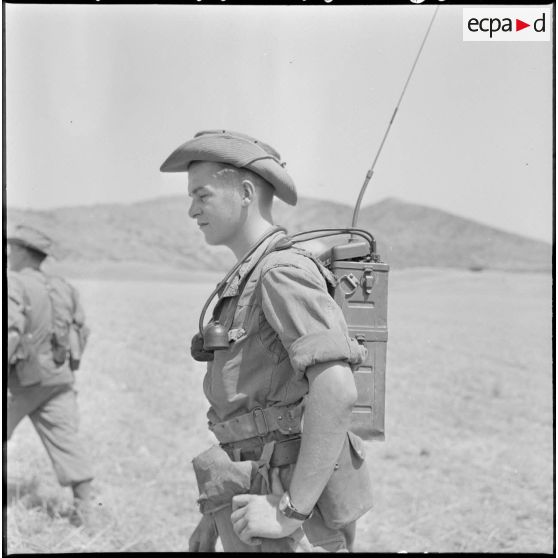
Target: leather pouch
{"type": "Point", "coordinates": [348, 493]}
{"type": "Point", "coordinates": [219, 478]}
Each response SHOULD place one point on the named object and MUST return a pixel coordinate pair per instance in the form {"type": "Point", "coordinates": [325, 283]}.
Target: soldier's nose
{"type": "Point", "coordinates": [194, 211]}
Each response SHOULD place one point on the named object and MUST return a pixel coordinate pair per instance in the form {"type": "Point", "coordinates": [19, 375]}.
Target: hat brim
{"type": "Point", "coordinates": [237, 152]}
{"type": "Point", "coordinates": [27, 244]}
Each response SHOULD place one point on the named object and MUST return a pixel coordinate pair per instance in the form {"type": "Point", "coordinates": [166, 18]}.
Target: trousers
{"type": "Point", "coordinates": [54, 413]}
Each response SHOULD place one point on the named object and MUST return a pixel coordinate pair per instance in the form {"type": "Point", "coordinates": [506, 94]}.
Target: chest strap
{"type": "Point", "coordinates": [259, 422]}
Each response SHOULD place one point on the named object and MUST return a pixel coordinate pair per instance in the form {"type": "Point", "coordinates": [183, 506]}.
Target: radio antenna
{"type": "Point", "coordinates": [371, 170]}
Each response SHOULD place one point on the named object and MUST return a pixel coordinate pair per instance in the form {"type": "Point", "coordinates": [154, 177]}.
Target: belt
{"type": "Point", "coordinates": [285, 452]}
{"type": "Point", "coordinates": [259, 422]}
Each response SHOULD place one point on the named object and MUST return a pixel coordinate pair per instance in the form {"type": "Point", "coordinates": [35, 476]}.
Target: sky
{"type": "Point", "coordinates": [97, 97]}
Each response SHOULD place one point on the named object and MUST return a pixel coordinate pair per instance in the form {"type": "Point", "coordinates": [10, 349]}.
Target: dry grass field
{"type": "Point", "coordinates": [467, 465]}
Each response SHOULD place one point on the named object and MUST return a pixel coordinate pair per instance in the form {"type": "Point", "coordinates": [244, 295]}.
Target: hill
{"type": "Point", "coordinates": [159, 234]}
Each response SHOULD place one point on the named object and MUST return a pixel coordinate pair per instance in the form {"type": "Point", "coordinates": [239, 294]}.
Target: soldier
{"type": "Point", "coordinates": [286, 356]}
{"type": "Point", "coordinates": [46, 335]}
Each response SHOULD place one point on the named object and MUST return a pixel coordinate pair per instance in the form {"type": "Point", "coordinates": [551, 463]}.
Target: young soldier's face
{"type": "Point", "coordinates": [216, 203]}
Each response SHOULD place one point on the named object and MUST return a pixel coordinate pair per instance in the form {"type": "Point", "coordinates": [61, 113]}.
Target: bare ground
{"type": "Point", "coordinates": [467, 465]}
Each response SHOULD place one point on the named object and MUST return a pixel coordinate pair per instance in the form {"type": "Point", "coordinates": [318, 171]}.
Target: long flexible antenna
{"type": "Point", "coordinates": [371, 170]}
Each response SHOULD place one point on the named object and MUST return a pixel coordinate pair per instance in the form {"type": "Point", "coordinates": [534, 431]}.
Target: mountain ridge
{"type": "Point", "coordinates": [158, 231]}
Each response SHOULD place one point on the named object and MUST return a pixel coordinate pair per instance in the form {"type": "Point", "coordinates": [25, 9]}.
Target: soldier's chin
{"type": "Point", "coordinates": [209, 238]}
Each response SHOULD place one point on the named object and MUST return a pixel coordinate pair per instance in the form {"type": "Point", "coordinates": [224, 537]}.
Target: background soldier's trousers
{"type": "Point", "coordinates": [54, 413]}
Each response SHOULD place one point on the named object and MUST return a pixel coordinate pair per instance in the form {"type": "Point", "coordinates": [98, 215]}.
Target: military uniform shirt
{"type": "Point", "coordinates": [282, 322]}
{"type": "Point", "coordinates": [29, 306]}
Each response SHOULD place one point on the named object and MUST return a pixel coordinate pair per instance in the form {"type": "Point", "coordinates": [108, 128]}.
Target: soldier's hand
{"type": "Point", "coordinates": [256, 516]}
{"type": "Point", "coordinates": [204, 537]}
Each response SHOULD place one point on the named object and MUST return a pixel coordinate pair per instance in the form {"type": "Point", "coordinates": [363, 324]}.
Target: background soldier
{"type": "Point", "coordinates": [286, 348]}
{"type": "Point", "coordinates": [46, 336]}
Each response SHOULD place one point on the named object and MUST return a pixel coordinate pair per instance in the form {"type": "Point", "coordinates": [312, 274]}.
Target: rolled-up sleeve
{"type": "Point", "coordinates": [307, 320]}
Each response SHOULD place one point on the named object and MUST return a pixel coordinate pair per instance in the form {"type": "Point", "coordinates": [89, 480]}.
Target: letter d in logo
{"type": "Point", "coordinates": [542, 21]}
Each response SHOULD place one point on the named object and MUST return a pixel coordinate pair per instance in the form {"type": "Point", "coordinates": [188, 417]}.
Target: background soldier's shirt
{"type": "Point", "coordinates": [30, 309]}
{"type": "Point", "coordinates": [282, 322]}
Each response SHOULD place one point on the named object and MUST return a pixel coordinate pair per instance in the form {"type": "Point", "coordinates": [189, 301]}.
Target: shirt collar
{"type": "Point", "coordinates": [233, 286]}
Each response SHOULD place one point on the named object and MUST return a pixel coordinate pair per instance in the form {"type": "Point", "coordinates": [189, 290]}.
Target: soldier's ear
{"type": "Point", "coordinates": [248, 192]}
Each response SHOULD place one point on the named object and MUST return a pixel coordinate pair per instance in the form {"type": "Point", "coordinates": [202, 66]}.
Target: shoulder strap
{"type": "Point", "coordinates": [284, 243]}
{"type": "Point", "coordinates": [49, 288]}
{"type": "Point", "coordinates": [329, 277]}
{"type": "Point", "coordinates": [281, 244]}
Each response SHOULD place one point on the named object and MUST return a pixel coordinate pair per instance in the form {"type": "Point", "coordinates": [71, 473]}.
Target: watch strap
{"type": "Point", "coordinates": [288, 510]}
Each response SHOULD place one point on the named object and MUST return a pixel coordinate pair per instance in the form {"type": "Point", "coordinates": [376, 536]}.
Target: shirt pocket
{"type": "Point", "coordinates": [249, 321]}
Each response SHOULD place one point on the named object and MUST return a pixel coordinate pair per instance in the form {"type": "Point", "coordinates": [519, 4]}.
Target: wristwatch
{"type": "Point", "coordinates": [288, 510]}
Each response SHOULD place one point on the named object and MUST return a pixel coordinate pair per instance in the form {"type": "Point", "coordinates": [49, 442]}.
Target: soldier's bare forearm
{"type": "Point", "coordinates": [326, 420]}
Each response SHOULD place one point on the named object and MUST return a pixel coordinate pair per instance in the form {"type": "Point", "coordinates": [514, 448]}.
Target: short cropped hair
{"type": "Point", "coordinates": [244, 174]}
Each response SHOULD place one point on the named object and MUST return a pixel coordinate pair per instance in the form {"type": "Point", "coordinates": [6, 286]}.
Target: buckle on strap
{"type": "Point", "coordinates": [259, 417]}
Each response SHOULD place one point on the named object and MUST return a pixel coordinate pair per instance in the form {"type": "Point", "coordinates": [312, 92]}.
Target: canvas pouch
{"type": "Point", "coordinates": [348, 493]}
{"type": "Point", "coordinates": [219, 478]}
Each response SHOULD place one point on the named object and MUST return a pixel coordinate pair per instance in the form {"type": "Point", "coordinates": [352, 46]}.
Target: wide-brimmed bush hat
{"type": "Point", "coordinates": [30, 237]}
{"type": "Point", "coordinates": [238, 150]}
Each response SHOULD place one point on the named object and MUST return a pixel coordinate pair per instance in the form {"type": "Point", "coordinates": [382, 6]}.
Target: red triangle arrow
{"type": "Point", "coordinates": [519, 25]}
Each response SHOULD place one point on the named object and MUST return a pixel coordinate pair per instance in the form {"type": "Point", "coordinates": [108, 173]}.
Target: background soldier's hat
{"type": "Point", "coordinates": [239, 150]}
{"type": "Point", "coordinates": [30, 238]}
